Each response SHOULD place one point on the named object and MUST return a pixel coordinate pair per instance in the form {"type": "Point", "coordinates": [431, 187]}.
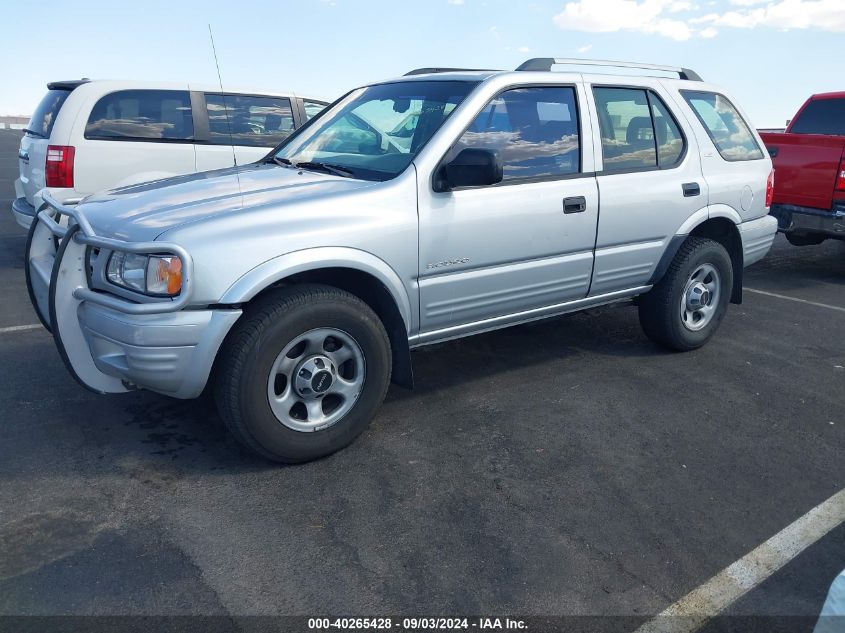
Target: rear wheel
{"type": "Point", "coordinates": [685, 308]}
{"type": "Point", "coordinates": [805, 239]}
{"type": "Point", "coordinates": [303, 373]}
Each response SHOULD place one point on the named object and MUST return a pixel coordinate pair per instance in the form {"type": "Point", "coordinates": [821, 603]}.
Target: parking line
{"type": "Point", "coordinates": [20, 328]}
{"type": "Point", "coordinates": [812, 303]}
{"type": "Point", "coordinates": [693, 610]}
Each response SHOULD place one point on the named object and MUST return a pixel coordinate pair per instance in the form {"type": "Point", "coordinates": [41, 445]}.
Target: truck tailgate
{"type": "Point", "coordinates": [806, 167]}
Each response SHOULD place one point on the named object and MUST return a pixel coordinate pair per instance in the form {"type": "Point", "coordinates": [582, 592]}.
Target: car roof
{"type": "Point", "coordinates": [829, 95]}
{"type": "Point", "coordinates": [130, 84]}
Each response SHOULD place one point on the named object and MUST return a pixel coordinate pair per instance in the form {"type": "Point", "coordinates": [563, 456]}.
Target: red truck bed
{"type": "Point", "coordinates": [809, 162]}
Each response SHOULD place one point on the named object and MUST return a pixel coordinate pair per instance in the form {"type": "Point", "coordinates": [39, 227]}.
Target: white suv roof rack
{"type": "Point", "coordinates": [546, 63]}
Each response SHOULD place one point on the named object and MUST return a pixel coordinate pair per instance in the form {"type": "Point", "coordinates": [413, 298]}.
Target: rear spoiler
{"type": "Point", "coordinates": [71, 84]}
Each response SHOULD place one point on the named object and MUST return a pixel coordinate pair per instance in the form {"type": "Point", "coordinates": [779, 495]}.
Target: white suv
{"type": "Point", "coordinates": [88, 136]}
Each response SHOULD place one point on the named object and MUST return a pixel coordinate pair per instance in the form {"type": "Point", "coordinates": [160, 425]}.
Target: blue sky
{"type": "Point", "coordinates": [771, 54]}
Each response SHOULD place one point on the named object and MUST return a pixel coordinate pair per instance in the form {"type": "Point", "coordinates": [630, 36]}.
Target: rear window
{"type": "Point", "coordinates": [313, 108]}
{"type": "Point", "coordinates": [821, 116]}
{"type": "Point", "coordinates": [142, 115]}
{"type": "Point", "coordinates": [726, 128]}
{"type": "Point", "coordinates": [252, 121]}
{"type": "Point", "coordinates": [45, 114]}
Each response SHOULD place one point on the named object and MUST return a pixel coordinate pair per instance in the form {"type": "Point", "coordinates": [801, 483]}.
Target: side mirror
{"type": "Point", "coordinates": [471, 168]}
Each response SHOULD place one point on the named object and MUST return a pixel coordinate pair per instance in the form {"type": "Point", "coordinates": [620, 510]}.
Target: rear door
{"type": "Point", "coordinates": [526, 243]}
{"type": "Point", "coordinates": [32, 153]}
{"type": "Point", "coordinates": [649, 178]}
{"type": "Point", "coordinates": [251, 124]}
{"type": "Point", "coordinates": [133, 136]}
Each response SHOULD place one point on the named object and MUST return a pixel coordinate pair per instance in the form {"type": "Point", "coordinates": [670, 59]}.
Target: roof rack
{"type": "Point", "coordinates": [428, 71]}
{"type": "Point", "coordinates": [546, 63]}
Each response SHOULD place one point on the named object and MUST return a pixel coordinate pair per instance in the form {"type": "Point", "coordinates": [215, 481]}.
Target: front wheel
{"type": "Point", "coordinates": [684, 309]}
{"type": "Point", "coordinates": [303, 373]}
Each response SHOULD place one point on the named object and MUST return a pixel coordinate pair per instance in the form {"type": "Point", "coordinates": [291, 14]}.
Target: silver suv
{"type": "Point", "coordinates": [434, 206]}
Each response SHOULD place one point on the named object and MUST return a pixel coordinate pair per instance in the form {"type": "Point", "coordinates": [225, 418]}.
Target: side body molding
{"type": "Point", "coordinates": [271, 271]}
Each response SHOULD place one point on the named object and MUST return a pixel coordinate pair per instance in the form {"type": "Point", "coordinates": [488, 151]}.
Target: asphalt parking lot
{"type": "Point", "coordinates": [564, 467]}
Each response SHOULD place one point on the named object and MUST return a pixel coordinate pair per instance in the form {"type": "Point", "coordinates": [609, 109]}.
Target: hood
{"type": "Point", "coordinates": [141, 213]}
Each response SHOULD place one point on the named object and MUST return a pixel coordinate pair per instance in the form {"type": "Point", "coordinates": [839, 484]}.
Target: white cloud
{"type": "Point", "coordinates": [827, 15]}
{"type": "Point", "coordinates": [677, 7]}
{"type": "Point", "coordinates": [659, 16]}
{"type": "Point", "coordinates": [455, 1]}
{"type": "Point", "coordinates": [524, 49]}
{"type": "Point", "coordinates": [585, 49]}
{"type": "Point", "coordinates": [494, 31]}
{"type": "Point", "coordinates": [604, 16]}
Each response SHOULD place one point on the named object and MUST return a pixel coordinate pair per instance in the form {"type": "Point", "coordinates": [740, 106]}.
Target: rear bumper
{"type": "Point", "coordinates": [23, 212]}
{"type": "Point", "coordinates": [757, 237]}
{"type": "Point", "coordinates": [170, 353]}
{"type": "Point", "coordinates": [804, 220]}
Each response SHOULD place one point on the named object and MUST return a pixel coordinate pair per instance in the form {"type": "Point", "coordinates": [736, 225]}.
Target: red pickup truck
{"type": "Point", "coordinates": [809, 161]}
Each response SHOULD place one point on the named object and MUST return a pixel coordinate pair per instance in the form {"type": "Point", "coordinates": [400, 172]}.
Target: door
{"type": "Point", "coordinates": [248, 125]}
{"type": "Point", "coordinates": [525, 243]}
{"type": "Point", "coordinates": [134, 136]}
{"type": "Point", "coordinates": [650, 183]}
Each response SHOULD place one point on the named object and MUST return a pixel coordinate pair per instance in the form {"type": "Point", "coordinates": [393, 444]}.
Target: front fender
{"type": "Point", "coordinates": [271, 271]}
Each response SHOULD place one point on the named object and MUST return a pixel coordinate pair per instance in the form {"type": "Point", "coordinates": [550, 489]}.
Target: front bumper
{"type": "Point", "coordinates": [757, 237]}
{"type": "Point", "coordinates": [807, 221]}
{"type": "Point", "coordinates": [109, 344]}
{"type": "Point", "coordinates": [168, 353]}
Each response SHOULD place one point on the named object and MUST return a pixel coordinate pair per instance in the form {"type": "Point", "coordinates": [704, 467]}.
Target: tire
{"type": "Point", "coordinates": [805, 239]}
{"type": "Point", "coordinates": [253, 371]}
{"type": "Point", "coordinates": [664, 318]}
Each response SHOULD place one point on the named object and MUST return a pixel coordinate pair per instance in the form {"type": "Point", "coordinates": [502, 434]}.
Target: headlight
{"type": "Point", "coordinates": [147, 274]}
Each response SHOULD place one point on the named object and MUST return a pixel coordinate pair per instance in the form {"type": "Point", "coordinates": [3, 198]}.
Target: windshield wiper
{"type": "Point", "coordinates": [335, 170]}
{"type": "Point", "coordinates": [284, 162]}
{"type": "Point", "coordinates": [34, 133]}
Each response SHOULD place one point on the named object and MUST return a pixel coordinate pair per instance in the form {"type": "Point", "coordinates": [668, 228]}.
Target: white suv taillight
{"type": "Point", "coordinates": [58, 171]}
{"type": "Point", "coordinates": [770, 189]}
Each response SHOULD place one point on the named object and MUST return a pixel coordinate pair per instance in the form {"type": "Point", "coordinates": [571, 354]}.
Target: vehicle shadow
{"type": "Point", "coordinates": [790, 267]}
{"type": "Point", "coordinates": [158, 439]}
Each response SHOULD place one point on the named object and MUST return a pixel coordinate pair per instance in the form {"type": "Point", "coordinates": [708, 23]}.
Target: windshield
{"type": "Point", "coordinates": [375, 132]}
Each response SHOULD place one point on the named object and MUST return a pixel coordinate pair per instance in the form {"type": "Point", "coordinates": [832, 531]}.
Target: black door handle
{"type": "Point", "coordinates": [577, 204]}
{"type": "Point", "coordinates": [691, 189]}
{"type": "Point", "coordinates": [773, 151]}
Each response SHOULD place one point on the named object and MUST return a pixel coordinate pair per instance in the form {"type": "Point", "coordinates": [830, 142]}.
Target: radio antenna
{"type": "Point", "coordinates": [225, 107]}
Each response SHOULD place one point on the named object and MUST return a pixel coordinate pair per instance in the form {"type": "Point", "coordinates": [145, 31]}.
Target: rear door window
{"type": "Point", "coordinates": [45, 114]}
{"type": "Point", "coordinates": [248, 120]}
{"type": "Point", "coordinates": [726, 128]}
{"type": "Point", "coordinates": [627, 132]}
{"type": "Point", "coordinates": [142, 115]}
{"type": "Point", "coordinates": [821, 116]}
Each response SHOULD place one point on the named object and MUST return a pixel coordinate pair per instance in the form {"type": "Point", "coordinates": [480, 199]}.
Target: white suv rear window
{"type": "Point", "coordinates": [142, 115]}
{"type": "Point", "coordinates": [45, 114]}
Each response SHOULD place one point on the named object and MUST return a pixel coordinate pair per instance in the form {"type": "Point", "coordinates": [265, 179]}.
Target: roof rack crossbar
{"type": "Point", "coordinates": [429, 71]}
{"type": "Point", "coordinates": [546, 63]}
